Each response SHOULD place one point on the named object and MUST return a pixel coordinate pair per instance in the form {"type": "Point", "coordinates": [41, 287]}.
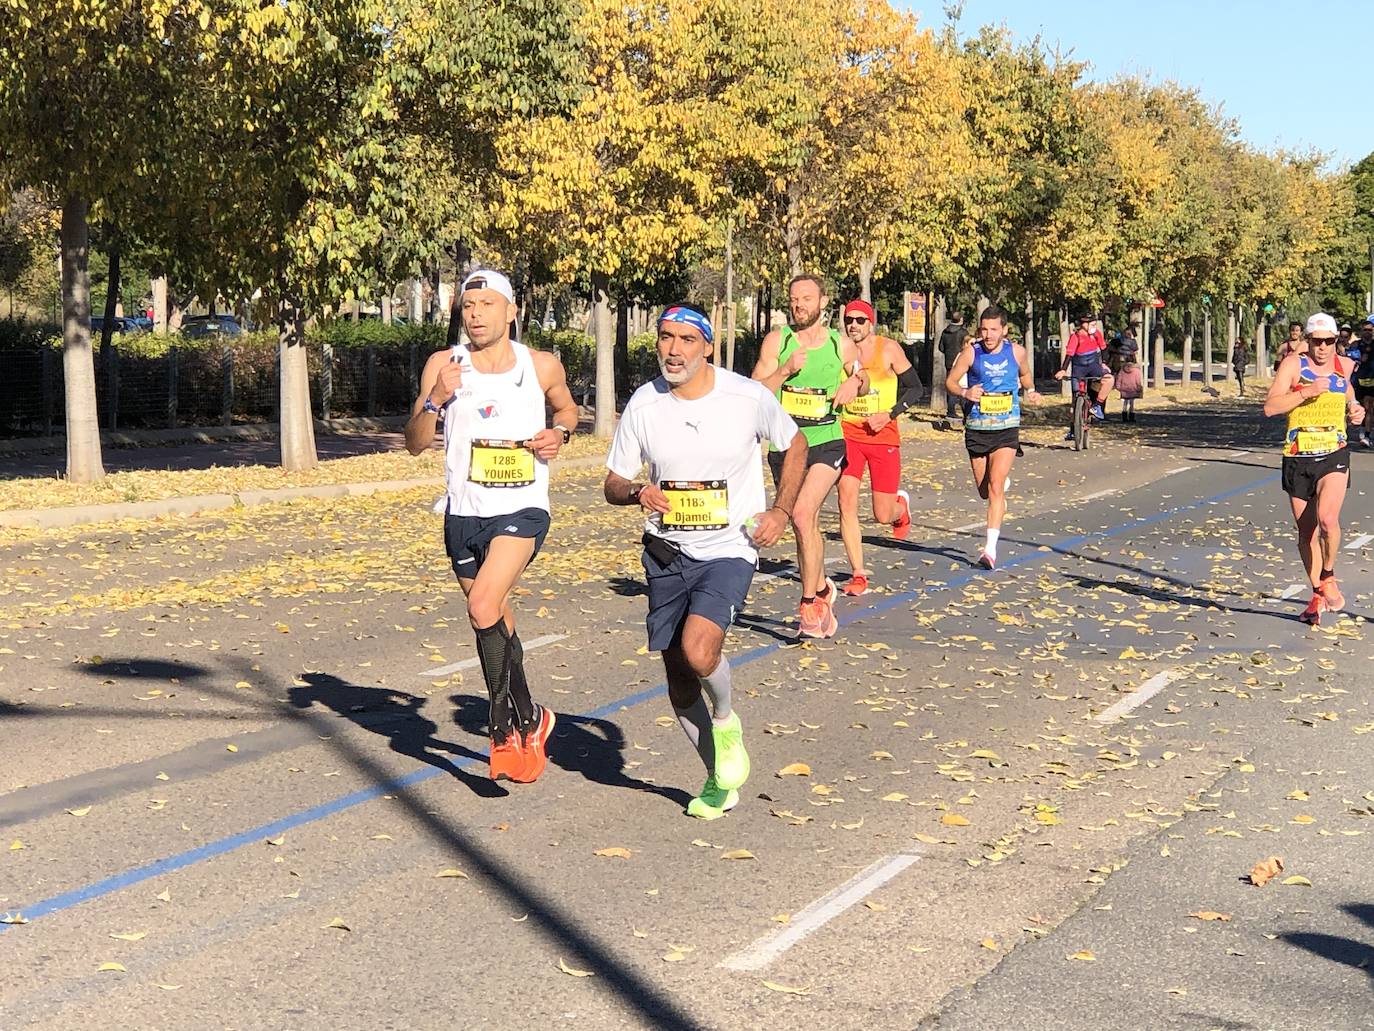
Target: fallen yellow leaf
{"type": "Point", "coordinates": [80, 812]}
{"type": "Point", "coordinates": [118, 968]}
{"type": "Point", "coordinates": [954, 820]}
{"type": "Point", "coordinates": [1084, 955]}
{"type": "Point", "coordinates": [130, 936]}
{"type": "Point", "coordinates": [1207, 914]}
{"type": "Point", "coordinates": [451, 872]}
{"type": "Point", "coordinates": [572, 971]}
{"type": "Point", "coordinates": [613, 853]}
{"type": "Point", "coordinates": [337, 924]}
{"type": "Point", "coordinates": [795, 770]}
{"type": "Point", "coordinates": [739, 853]}
{"type": "Point", "coordinates": [1297, 879]}
{"type": "Point", "coordinates": [786, 989]}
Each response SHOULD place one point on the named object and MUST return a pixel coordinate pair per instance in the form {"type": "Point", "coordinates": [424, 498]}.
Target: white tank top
{"type": "Point", "coordinates": [489, 470]}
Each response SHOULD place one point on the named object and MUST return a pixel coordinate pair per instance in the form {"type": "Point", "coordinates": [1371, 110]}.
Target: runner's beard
{"type": "Point", "coordinates": [800, 324]}
{"type": "Point", "coordinates": [683, 375]}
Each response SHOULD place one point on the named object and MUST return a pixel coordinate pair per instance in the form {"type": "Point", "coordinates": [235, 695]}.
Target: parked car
{"type": "Point", "coordinates": [198, 326]}
{"type": "Point", "coordinates": [118, 325]}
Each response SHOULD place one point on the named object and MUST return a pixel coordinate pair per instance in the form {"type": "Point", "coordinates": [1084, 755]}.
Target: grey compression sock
{"type": "Point", "coordinates": [717, 685]}
{"type": "Point", "coordinates": [696, 723]}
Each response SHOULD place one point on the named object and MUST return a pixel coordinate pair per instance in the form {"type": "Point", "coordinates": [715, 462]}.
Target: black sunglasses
{"type": "Point", "coordinates": [851, 319]}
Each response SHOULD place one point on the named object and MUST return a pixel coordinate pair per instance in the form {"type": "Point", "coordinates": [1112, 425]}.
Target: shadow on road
{"type": "Point", "coordinates": [1348, 951]}
{"type": "Point", "coordinates": [394, 715]}
{"type": "Point", "coordinates": [592, 748]}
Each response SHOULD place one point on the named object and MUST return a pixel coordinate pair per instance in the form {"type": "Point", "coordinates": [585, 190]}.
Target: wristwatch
{"type": "Point", "coordinates": [430, 406]}
{"type": "Point", "coordinates": [567, 433]}
{"type": "Point", "coordinates": [634, 494]}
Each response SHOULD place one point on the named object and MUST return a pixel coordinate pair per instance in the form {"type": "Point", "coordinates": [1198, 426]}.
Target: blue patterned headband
{"type": "Point", "coordinates": [688, 317]}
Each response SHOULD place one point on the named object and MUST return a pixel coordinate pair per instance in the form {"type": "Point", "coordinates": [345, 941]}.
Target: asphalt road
{"type": "Point", "coordinates": [242, 762]}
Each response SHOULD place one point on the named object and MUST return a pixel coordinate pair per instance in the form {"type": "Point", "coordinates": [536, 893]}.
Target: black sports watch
{"type": "Point", "coordinates": [567, 433]}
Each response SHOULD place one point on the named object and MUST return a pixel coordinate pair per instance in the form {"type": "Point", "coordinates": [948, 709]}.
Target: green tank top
{"type": "Point", "coordinates": [808, 395]}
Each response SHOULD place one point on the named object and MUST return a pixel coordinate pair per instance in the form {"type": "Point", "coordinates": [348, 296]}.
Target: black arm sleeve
{"type": "Point", "coordinates": [910, 382]}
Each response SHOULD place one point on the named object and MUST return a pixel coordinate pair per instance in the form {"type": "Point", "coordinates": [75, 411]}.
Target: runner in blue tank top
{"type": "Point", "coordinates": [997, 369]}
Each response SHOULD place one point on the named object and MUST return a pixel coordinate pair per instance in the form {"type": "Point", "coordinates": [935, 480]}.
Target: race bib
{"type": "Point", "coordinates": [864, 406]}
{"type": "Point", "coordinates": [995, 404]}
{"type": "Point", "coordinates": [807, 404]}
{"type": "Point", "coordinates": [695, 504]}
{"type": "Point", "coordinates": [1318, 442]}
{"type": "Point", "coordinates": [501, 463]}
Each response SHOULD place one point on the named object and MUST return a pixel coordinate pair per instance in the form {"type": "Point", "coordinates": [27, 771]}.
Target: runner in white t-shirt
{"type": "Point", "coordinates": [698, 429]}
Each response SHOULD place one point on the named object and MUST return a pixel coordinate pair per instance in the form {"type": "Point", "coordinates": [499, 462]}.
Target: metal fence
{"type": "Point", "coordinates": [219, 386]}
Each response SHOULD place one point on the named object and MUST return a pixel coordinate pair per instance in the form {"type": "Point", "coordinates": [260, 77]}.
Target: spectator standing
{"type": "Point", "coordinates": [951, 343]}
{"type": "Point", "coordinates": [1240, 358]}
{"type": "Point", "coordinates": [1130, 384]}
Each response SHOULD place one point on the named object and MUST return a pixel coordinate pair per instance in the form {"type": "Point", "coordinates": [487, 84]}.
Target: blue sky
{"type": "Point", "coordinates": [1320, 96]}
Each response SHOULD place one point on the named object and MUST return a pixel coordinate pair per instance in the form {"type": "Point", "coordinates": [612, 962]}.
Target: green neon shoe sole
{"type": "Point", "coordinates": [713, 802]}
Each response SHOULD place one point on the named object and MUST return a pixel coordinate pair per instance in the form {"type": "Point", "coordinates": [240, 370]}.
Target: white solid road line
{"type": "Point", "coordinates": [1359, 542]}
{"type": "Point", "coordinates": [818, 913]}
{"type": "Point", "coordinates": [454, 667]}
{"type": "Point", "coordinates": [1293, 590]}
{"type": "Point", "coordinates": [1140, 695]}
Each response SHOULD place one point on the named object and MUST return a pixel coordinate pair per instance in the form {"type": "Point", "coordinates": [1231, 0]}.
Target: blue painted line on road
{"type": "Point", "coordinates": [213, 849]}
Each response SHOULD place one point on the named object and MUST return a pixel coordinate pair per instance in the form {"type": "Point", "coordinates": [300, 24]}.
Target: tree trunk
{"type": "Point", "coordinates": [297, 436]}
{"type": "Point", "coordinates": [84, 463]}
{"type": "Point", "coordinates": [1231, 332]}
{"type": "Point", "coordinates": [1187, 348]}
{"type": "Point", "coordinates": [603, 330]}
{"type": "Point", "coordinates": [1030, 335]}
{"type": "Point", "coordinates": [1145, 359]}
{"type": "Point", "coordinates": [792, 230]}
{"type": "Point", "coordinates": [1207, 349]}
{"type": "Point", "coordinates": [159, 286]}
{"type": "Point", "coordinates": [622, 348]}
{"type": "Point", "coordinates": [1261, 347]}
{"type": "Point", "coordinates": [415, 307]}
{"type": "Point", "coordinates": [111, 303]}
{"type": "Point", "coordinates": [1065, 387]}
{"type": "Point", "coordinates": [1157, 355]}
{"type": "Point", "coordinates": [386, 307]}
{"type": "Point", "coordinates": [866, 277]}
{"type": "Point", "coordinates": [938, 371]}
{"type": "Point", "coordinates": [728, 343]}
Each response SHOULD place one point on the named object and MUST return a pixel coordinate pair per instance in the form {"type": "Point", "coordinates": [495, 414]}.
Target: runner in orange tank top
{"type": "Point", "coordinates": [873, 439]}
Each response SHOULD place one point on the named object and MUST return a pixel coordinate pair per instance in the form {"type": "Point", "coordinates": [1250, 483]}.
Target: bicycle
{"type": "Point", "coordinates": [1082, 414]}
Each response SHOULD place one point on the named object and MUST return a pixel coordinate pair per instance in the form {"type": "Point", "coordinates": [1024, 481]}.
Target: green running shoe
{"type": "Point", "coordinates": [713, 802]}
{"type": "Point", "coordinates": [732, 761]}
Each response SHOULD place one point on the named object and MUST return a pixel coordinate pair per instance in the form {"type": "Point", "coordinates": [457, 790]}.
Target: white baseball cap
{"type": "Point", "coordinates": [1321, 323]}
{"type": "Point", "coordinates": [488, 279]}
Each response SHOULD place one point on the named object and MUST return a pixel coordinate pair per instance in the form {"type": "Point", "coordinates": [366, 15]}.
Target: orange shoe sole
{"type": "Point", "coordinates": [507, 761]}
{"type": "Point", "coordinates": [536, 747]}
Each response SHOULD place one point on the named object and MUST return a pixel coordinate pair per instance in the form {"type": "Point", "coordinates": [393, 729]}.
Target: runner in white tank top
{"type": "Point", "coordinates": [491, 394]}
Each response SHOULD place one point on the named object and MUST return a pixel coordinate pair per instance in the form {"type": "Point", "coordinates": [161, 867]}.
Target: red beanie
{"type": "Point", "coordinates": [860, 307]}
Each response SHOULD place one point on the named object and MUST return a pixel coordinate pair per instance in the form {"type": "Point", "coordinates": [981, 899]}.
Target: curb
{"type": "Point", "coordinates": [57, 518]}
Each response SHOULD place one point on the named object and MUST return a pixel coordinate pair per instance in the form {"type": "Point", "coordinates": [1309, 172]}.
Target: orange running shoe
{"type": "Point", "coordinates": [1332, 597]}
{"type": "Point", "coordinates": [536, 743]}
{"type": "Point", "coordinates": [902, 526]}
{"type": "Point", "coordinates": [1313, 613]}
{"type": "Point", "coordinates": [817, 619]}
{"type": "Point", "coordinates": [507, 758]}
{"type": "Point", "coordinates": [857, 586]}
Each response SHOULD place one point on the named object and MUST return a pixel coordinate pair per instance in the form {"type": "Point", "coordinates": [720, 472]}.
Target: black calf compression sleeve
{"type": "Point", "coordinates": [521, 702]}
{"type": "Point", "coordinates": [495, 652]}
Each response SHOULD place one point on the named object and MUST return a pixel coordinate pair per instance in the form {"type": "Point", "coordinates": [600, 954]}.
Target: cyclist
{"type": "Point", "coordinates": [1083, 360]}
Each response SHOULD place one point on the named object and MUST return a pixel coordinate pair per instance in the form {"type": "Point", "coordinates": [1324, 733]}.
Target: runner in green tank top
{"type": "Point", "coordinates": [805, 365]}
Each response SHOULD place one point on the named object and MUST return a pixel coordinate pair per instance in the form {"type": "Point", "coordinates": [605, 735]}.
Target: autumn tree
{"type": "Point", "coordinates": [84, 86]}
